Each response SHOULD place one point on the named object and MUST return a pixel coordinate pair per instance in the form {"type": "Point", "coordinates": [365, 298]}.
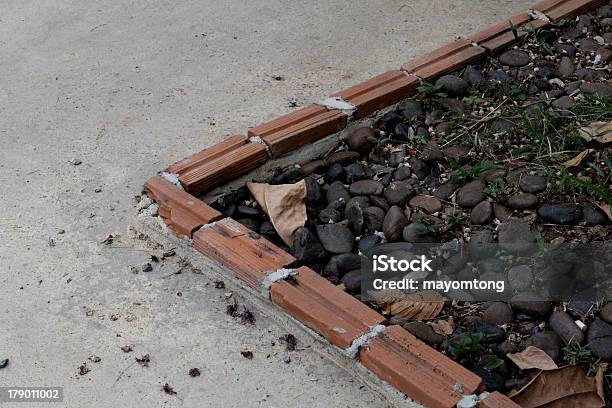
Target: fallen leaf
{"type": "Point", "coordinates": [423, 305]}
{"type": "Point", "coordinates": [606, 208]}
{"type": "Point", "coordinates": [578, 159]}
{"type": "Point", "coordinates": [599, 380]}
{"type": "Point", "coordinates": [444, 327]}
{"type": "Point", "coordinates": [248, 354]}
{"type": "Point", "coordinates": [598, 131]}
{"type": "Point", "coordinates": [532, 357]}
{"type": "Point", "coordinates": [564, 387]}
{"type": "Point", "coordinates": [284, 204]}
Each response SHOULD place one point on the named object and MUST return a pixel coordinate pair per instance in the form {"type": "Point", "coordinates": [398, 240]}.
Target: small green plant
{"type": "Point", "coordinates": [428, 222]}
{"type": "Point", "coordinates": [457, 218]}
{"type": "Point", "coordinates": [497, 188]}
{"type": "Point", "coordinates": [421, 139]}
{"type": "Point", "coordinates": [461, 174]}
{"type": "Point", "coordinates": [428, 89]}
{"type": "Point", "coordinates": [575, 354]}
{"type": "Point", "coordinates": [467, 349]}
{"type": "Point", "coordinates": [379, 143]}
{"type": "Point", "coordinates": [514, 30]}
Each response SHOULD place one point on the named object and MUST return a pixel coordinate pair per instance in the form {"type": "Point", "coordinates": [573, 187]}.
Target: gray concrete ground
{"type": "Point", "coordinates": [128, 87]}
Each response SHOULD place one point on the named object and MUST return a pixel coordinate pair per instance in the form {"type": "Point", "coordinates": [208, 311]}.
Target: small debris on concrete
{"type": "Point", "coordinates": [4, 362]}
{"type": "Point", "coordinates": [94, 359]}
{"type": "Point", "coordinates": [168, 253]}
{"type": "Point", "coordinates": [286, 360]}
{"type": "Point", "coordinates": [74, 161]}
{"type": "Point", "coordinates": [290, 341]}
{"type": "Point", "coordinates": [219, 284]}
{"type": "Point", "coordinates": [247, 354]}
{"type": "Point", "coordinates": [144, 360]}
{"type": "Point", "coordinates": [108, 240]}
{"type": "Point", "coordinates": [146, 267]}
{"type": "Point", "coordinates": [83, 369]}
{"type": "Point", "coordinates": [127, 348]}
{"type": "Point", "coordinates": [167, 388]}
{"type": "Point", "coordinates": [194, 372]}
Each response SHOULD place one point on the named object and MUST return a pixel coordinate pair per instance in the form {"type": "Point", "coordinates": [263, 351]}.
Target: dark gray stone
{"type": "Point", "coordinates": [412, 109]}
{"type": "Point", "coordinates": [337, 191]}
{"type": "Point", "coordinates": [306, 247]}
{"type": "Point", "coordinates": [599, 88]}
{"type": "Point", "coordinates": [475, 78]}
{"type": "Point", "coordinates": [419, 167]}
{"type": "Point", "coordinates": [562, 214]}
{"type": "Point", "coordinates": [565, 327]}
{"type": "Point", "coordinates": [402, 173]}
{"type": "Point", "coordinates": [336, 238]}
{"type": "Point", "coordinates": [566, 67]}
{"type": "Point", "coordinates": [593, 215]}
{"type": "Point", "coordinates": [418, 233]}
{"type": "Point", "coordinates": [313, 190]}
{"type": "Point", "coordinates": [362, 139]}
{"type": "Point", "coordinates": [373, 218]}
{"type": "Point", "coordinates": [366, 187]}
{"type": "Point", "coordinates": [471, 194]}
{"type": "Point", "coordinates": [352, 281]}
{"type": "Point", "coordinates": [515, 235]}
{"type": "Point", "coordinates": [394, 223]}
{"type": "Point", "coordinates": [354, 213]}
{"type": "Point", "coordinates": [599, 338]}
{"type": "Point", "coordinates": [328, 215]}
{"type": "Point", "coordinates": [444, 191]}
{"type": "Point", "coordinates": [424, 332]}
{"type": "Point", "coordinates": [532, 183]}
{"type": "Point", "coordinates": [523, 201]}
{"type": "Point", "coordinates": [547, 341]}
{"type": "Point", "coordinates": [502, 212]}
{"type": "Point", "coordinates": [482, 213]}
{"type": "Point", "coordinates": [498, 313]}
{"type": "Point", "coordinates": [335, 172]}
{"type": "Point", "coordinates": [398, 192]}
{"type": "Point", "coordinates": [354, 172]}
{"type": "Point", "coordinates": [514, 58]}
{"type": "Point", "coordinates": [533, 308]}
{"type": "Point", "coordinates": [452, 85]}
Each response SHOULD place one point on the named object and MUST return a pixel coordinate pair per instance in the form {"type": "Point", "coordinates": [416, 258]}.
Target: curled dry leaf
{"type": "Point", "coordinates": [578, 158]}
{"type": "Point", "coordinates": [423, 305]}
{"type": "Point", "coordinates": [598, 131]}
{"type": "Point", "coordinates": [444, 327]}
{"type": "Point", "coordinates": [532, 357]}
{"type": "Point", "coordinates": [564, 387]}
{"type": "Point", "coordinates": [606, 208]}
{"type": "Point", "coordinates": [285, 204]}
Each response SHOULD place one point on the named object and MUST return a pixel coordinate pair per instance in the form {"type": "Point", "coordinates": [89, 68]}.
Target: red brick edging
{"type": "Point", "coordinates": [393, 354]}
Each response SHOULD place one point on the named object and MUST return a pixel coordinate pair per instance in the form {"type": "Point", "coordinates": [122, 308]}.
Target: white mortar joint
{"type": "Point", "coordinates": [364, 340]}
{"type": "Point", "coordinates": [275, 276]}
{"type": "Point", "coordinates": [336, 102]}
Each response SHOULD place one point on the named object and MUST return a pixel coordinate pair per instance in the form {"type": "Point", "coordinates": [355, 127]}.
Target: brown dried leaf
{"type": "Point", "coordinates": [423, 305]}
{"type": "Point", "coordinates": [578, 159]}
{"type": "Point", "coordinates": [444, 327]}
{"type": "Point", "coordinates": [564, 387]}
{"type": "Point", "coordinates": [285, 204]}
{"type": "Point", "coordinates": [606, 208]}
{"type": "Point", "coordinates": [598, 131]}
{"type": "Point", "coordinates": [532, 357]}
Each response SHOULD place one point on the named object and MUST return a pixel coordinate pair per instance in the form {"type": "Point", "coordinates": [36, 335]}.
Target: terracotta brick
{"type": "Point", "coordinates": [223, 168]}
{"type": "Point", "coordinates": [500, 36]}
{"type": "Point", "coordinates": [444, 60]}
{"type": "Point", "coordinates": [417, 370]}
{"type": "Point", "coordinates": [180, 210]}
{"type": "Point", "coordinates": [379, 92]}
{"type": "Point", "coordinates": [498, 400]}
{"type": "Point", "coordinates": [199, 158]}
{"type": "Point", "coordinates": [249, 255]}
{"type": "Point", "coordinates": [324, 307]}
{"type": "Point", "coordinates": [298, 128]}
{"type": "Point", "coordinates": [560, 9]}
